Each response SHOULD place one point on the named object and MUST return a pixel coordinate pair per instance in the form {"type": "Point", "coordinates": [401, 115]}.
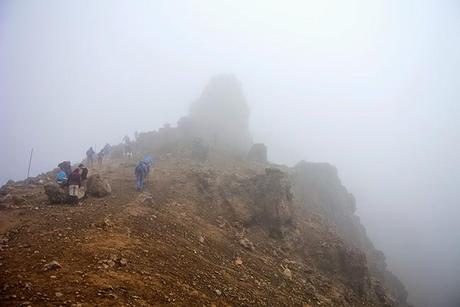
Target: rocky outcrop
{"type": "Point", "coordinates": [98, 186]}
{"type": "Point", "coordinates": [221, 115]}
{"type": "Point", "coordinates": [264, 200]}
{"type": "Point", "coordinates": [56, 194]}
{"type": "Point", "coordinates": [318, 189]}
{"type": "Point", "coordinates": [258, 153]}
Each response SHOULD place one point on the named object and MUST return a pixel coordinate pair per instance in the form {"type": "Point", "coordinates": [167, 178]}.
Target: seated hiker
{"type": "Point", "coordinates": [84, 179]}
{"type": "Point", "coordinates": [74, 186]}
{"type": "Point", "coordinates": [61, 178]}
{"type": "Point", "coordinates": [65, 166]}
{"type": "Point", "coordinates": [141, 172]}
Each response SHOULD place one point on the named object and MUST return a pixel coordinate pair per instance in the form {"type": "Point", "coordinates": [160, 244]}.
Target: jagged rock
{"type": "Point", "coordinates": [258, 153]}
{"type": "Point", "coordinates": [98, 186]}
{"type": "Point", "coordinates": [53, 265]}
{"type": "Point", "coordinates": [56, 194]}
{"type": "Point", "coordinates": [247, 244]}
{"type": "Point", "coordinates": [287, 273]}
{"type": "Point", "coordinates": [209, 115]}
{"type": "Point", "coordinates": [263, 200]}
{"type": "Point", "coordinates": [273, 201]}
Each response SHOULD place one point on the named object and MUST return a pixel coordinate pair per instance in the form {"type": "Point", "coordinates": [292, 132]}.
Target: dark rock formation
{"type": "Point", "coordinates": [264, 200]}
{"type": "Point", "coordinates": [258, 153]}
{"type": "Point", "coordinates": [317, 188]}
{"type": "Point", "coordinates": [56, 194]}
{"type": "Point", "coordinates": [221, 115]}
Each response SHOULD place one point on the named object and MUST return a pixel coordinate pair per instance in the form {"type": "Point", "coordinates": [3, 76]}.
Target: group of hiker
{"type": "Point", "coordinates": [91, 155]}
{"type": "Point", "coordinates": [75, 180]}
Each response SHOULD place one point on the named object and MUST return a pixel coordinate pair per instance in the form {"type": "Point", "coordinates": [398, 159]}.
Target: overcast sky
{"type": "Point", "coordinates": [372, 87]}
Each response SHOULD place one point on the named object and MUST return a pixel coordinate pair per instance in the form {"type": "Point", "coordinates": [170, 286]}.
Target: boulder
{"type": "Point", "coordinates": [56, 194]}
{"type": "Point", "coordinates": [258, 153]}
{"type": "Point", "coordinates": [98, 187]}
{"type": "Point", "coordinates": [263, 200]}
{"type": "Point", "coordinates": [273, 201]}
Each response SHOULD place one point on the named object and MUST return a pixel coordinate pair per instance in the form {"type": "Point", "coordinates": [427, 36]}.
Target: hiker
{"type": "Point", "coordinates": [61, 178]}
{"type": "Point", "coordinates": [128, 151]}
{"type": "Point", "coordinates": [65, 167]}
{"type": "Point", "coordinates": [90, 156]}
{"type": "Point", "coordinates": [141, 172]}
{"type": "Point", "coordinates": [84, 179]}
{"type": "Point", "coordinates": [74, 186]}
{"type": "Point", "coordinates": [107, 150]}
{"type": "Point", "coordinates": [100, 157]}
{"type": "Point", "coordinates": [148, 162]}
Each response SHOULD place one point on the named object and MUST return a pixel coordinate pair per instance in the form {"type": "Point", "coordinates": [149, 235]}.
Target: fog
{"type": "Point", "coordinates": [372, 87]}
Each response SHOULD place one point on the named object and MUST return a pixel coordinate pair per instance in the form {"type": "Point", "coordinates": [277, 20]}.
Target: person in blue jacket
{"type": "Point", "coordinates": [148, 162]}
{"type": "Point", "coordinates": [141, 172]}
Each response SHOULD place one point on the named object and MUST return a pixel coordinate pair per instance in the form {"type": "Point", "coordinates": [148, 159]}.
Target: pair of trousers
{"type": "Point", "coordinates": [139, 182]}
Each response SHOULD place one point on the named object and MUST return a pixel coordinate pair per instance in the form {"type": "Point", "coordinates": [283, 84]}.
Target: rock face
{"type": "Point", "coordinates": [258, 153]}
{"type": "Point", "coordinates": [221, 115]}
{"type": "Point", "coordinates": [264, 200]}
{"type": "Point", "coordinates": [317, 188]}
{"type": "Point", "coordinates": [56, 194]}
{"type": "Point", "coordinates": [273, 201]}
{"type": "Point", "coordinates": [98, 186]}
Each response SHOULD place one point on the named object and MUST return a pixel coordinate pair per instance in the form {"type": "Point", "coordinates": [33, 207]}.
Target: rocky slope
{"type": "Point", "coordinates": [223, 232]}
{"type": "Point", "coordinates": [212, 227]}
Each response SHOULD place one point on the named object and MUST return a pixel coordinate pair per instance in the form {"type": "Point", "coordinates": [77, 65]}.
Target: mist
{"type": "Point", "coordinates": [372, 87]}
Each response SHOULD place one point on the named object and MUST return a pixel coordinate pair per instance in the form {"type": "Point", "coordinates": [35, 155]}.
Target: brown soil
{"type": "Point", "coordinates": [171, 244]}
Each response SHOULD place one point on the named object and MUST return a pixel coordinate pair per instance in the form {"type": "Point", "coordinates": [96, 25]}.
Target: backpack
{"type": "Point", "coordinates": [61, 177]}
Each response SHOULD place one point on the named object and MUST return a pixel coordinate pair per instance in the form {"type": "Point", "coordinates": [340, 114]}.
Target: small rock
{"type": "Point", "coordinates": [247, 244]}
{"type": "Point", "coordinates": [123, 261]}
{"type": "Point", "coordinates": [218, 292]}
{"type": "Point", "coordinates": [58, 294]}
{"type": "Point", "coordinates": [53, 265]}
{"type": "Point", "coordinates": [201, 239]}
{"type": "Point", "coordinates": [238, 261]}
{"type": "Point", "coordinates": [287, 273]}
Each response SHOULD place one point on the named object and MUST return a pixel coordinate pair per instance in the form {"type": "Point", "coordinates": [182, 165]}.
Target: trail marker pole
{"type": "Point", "coordinates": [30, 162]}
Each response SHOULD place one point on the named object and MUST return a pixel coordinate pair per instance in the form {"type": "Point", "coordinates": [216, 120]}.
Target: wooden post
{"type": "Point", "coordinates": [30, 162]}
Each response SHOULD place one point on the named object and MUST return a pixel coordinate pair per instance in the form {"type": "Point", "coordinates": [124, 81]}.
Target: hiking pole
{"type": "Point", "coordinates": [30, 162]}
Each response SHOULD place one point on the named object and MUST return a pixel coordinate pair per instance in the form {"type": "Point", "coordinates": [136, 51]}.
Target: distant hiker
{"type": "Point", "coordinates": [65, 166]}
{"type": "Point", "coordinates": [61, 178]}
{"type": "Point", "coordinates": [128, 151]}
{"type": "Point", "coordinates": [74, 186]}
{"type": "Point", "coordinates": [100, 157]}
{"type": "Point", "coordinates": [141, 172]}
{"type": "Point", "coordinates": [107, 150]}
{"type": "Point", "coordinates": [90, 156]}
{"type": "Point", "coordinates": [84, 180]}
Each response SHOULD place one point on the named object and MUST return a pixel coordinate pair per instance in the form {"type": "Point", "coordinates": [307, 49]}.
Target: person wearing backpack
{"type": "Point", "coordinates": [140, 172]}
{"type": "Point", "coordinates": [84, 180]}
{"type": "Point", "coordinates": [74, 185]}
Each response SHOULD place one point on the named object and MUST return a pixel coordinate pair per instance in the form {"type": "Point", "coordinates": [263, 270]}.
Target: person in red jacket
{"type": "Point", "coordinates": [74, 185]}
